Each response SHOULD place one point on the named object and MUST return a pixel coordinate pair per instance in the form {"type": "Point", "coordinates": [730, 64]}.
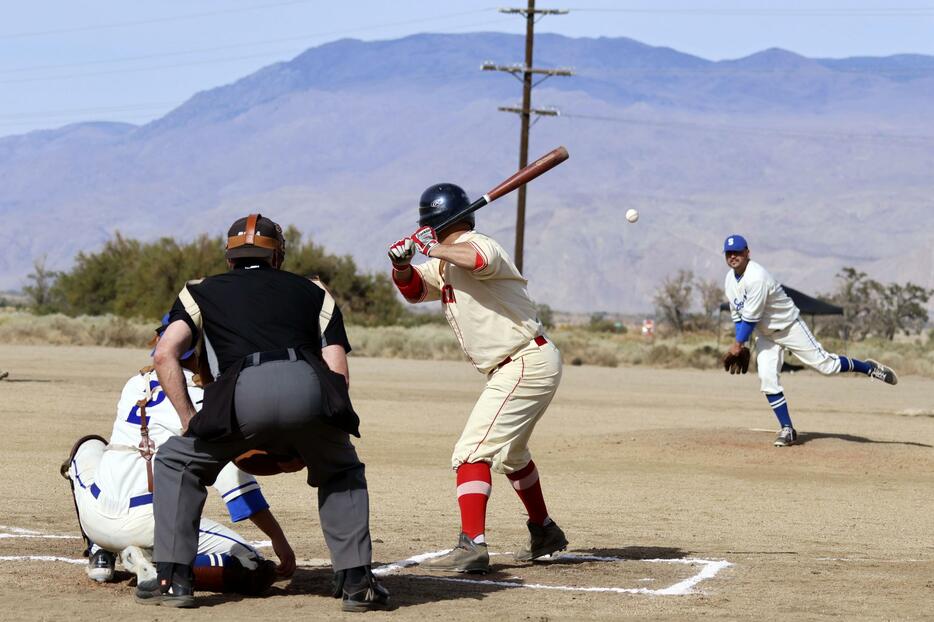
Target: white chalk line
{"type": "Point", "coordinates": [868, 560]}
{"type": "Point", "coordinates": [42, 558]}
{"type": "Point", "coordinates": [709, 569]}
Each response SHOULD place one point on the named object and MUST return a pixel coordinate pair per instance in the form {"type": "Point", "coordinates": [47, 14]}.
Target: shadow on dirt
{"type": "Point", "coordinates": [807, 437]}
{"type": "Point", "coordinates": [627, 552]}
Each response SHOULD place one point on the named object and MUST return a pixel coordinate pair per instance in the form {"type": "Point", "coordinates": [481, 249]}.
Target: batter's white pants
{"type": "Point", "coordinates": [116, 530]}
{"type": "Point", "coordinates": [798, 340]}
{"type": "Point", "coordinates": [514, 399]}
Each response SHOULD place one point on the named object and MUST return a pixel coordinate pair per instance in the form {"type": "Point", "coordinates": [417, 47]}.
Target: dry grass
{"type": "Point", "coordinates": [436, 342]}
{"type": "Point", "coordinates": [25, 328]}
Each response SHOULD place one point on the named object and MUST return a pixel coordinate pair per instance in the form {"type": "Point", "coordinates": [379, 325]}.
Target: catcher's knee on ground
{"type": "Point", "coordinates": [228, 574]}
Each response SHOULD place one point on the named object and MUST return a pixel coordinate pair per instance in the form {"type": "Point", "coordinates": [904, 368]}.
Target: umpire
{"type": "Point", "coordinates": [277, 350]}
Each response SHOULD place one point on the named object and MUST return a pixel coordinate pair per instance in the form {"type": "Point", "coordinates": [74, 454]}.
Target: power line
{"type": "Point", "coordinates": [156, 20]}
{"type": "Point", "coordinates": [793, 133]}
{"type": "Point", "coordinates": [95, 110]}
{"type": "Point", "coordinates": [221, 60]}
{"type": "Point", "coordinates": [776, 12]}
{"type": "Point", "coordinates": [531, 15]}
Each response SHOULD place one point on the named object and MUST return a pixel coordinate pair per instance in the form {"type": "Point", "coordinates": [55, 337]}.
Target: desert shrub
{"type": "Point", "coordinates": [135, 279]}
{"type": "Point", "coordinates": [59, 329]}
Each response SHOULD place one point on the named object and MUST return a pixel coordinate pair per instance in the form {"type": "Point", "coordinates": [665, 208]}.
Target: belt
{"type": "Point", "coordinates": [134, 501]}
{"type": "Point", "coordinates": [539, 341]}
{"type": "Point", "coordinates": [258, 358]}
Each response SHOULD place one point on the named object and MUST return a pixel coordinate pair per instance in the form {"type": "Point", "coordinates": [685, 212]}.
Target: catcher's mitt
{"type": "Point", "coordinates": [262, 462]}
{"type": "Point", "coordinates": [737, 363]}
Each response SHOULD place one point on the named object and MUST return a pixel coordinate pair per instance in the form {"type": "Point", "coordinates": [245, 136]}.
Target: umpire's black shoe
{"type": "Point", "coordinates": [151, 593]}
{"type": "Point", "coordinates": [361, 591]}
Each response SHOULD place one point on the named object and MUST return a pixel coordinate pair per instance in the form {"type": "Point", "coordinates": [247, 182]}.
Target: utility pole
{"type": "Point", "coordinates": [526, 111]}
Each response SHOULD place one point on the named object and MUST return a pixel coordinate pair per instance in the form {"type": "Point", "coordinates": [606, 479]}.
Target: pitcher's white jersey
{"type": "Point", "coordinates": [758, 298]}
{"type": "Point", "coordinates": [121, 482]}
{"type": "Point", "coordinates": [489, 308]}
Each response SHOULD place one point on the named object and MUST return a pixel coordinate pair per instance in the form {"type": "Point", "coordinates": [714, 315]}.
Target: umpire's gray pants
{"type": "Point", "coordinates": [278, 406]}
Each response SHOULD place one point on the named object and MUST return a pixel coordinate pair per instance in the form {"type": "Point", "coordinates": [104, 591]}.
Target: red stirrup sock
{"type": "Point", "coordinates": [474, 485]}
{"type": "Point", "coordinates": [529, 489]}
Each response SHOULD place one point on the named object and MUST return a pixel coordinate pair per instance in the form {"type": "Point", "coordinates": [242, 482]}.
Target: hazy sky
{"type": "Point", "coordinates": [63, 61]}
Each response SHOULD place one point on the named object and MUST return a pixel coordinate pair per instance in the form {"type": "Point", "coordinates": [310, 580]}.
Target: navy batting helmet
{"type": "Point", "coordinates": [441, 201]}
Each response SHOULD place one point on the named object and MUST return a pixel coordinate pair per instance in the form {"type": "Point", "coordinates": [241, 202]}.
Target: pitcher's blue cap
{"type": "Point", "coordinates": [735, 243]}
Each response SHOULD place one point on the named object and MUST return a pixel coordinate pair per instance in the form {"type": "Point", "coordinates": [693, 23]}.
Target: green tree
{"type": "Point", "coordinates": [899, 308]}
{"type": "Point", "coordinates": [546, 316]}
{"type": "Point", "coordinates": [711, 295]}
{"type": "Point", "coordinates": [42, 294]}
{"type": "Point", "coordinates": [135, 279]}
{"type": "Point", "coordinates": [673, 299]}
{"type": "Point", "coordinates": [91, 287]}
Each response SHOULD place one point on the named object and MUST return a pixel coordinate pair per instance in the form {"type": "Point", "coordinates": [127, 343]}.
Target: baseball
{"type": "Point", "coordinates": [632, 215]}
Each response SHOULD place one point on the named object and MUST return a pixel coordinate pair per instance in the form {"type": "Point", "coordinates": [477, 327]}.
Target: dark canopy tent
{"type": "Point", "coordinates": [806, 304]}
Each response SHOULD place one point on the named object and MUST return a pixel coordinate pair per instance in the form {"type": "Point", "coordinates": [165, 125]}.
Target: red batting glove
{"type": "Point", "coordinates": [401, 252]}
{"type": "Point", "coordinates": [425, 239]}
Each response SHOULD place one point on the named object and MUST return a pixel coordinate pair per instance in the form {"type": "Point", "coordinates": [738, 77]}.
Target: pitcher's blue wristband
{"type": "Point", "coordinates": [744, 330]}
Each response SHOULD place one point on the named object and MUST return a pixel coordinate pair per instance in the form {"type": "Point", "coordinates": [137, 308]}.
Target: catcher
{"type": "Point", "coordinates": [759, 304]}
{"type": "Point", "coordinates": [111, 484]}
{"type": "Point", "coordinates": [485, 300]}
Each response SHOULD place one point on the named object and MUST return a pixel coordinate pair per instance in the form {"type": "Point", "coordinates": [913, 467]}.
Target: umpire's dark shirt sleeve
{"type": "Point", "coordinates": [178, 313]}
{"type": "Point", "coordinates": [335, 334]}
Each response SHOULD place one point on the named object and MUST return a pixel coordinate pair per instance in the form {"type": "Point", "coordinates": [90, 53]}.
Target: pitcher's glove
{"type": "Point", "coordinates": [262, 462]}
{"type": "Point", "coordinates": [737, 363]}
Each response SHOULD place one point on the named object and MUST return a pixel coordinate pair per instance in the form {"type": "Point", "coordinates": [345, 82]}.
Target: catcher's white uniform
{"type": "Point", "coordinates": [758, 298]}
{"type": "Point", "coordinates": [111, 484]}
{"type": "Point", "coordinates": [497, 325]}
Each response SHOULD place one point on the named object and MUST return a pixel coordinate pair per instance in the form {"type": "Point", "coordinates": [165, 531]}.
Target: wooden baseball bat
{"type": "Point", "coordinates": [542, 165]}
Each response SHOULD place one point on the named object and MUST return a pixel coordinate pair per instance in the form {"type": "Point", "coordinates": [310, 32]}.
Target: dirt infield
{"type": "Point", "coordinates": [675, 506]}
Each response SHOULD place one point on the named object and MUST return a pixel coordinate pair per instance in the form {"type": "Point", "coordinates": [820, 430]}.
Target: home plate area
{"type": "Point", "coordinates": [621, 571]}
{"type": "Point", "coordinates": [653, 571]}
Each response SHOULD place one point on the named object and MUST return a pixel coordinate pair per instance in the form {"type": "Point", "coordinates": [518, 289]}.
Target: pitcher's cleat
{"type": "Point", "coordinates": [882, 372]}
{"type": "Point", "coordinates": [543, 540]}
{"type": "Point", "coordinates": [467, 556]}
{"type": "Point", "coordinates": [788, 436]}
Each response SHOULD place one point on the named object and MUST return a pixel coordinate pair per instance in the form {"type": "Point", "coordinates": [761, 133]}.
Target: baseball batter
{"type": "Point", "coordinates": [485, 300]}
{"type": "Point", "coordinates": [113, 497]}
{"type": "Point", "coordinates": [759, 305]}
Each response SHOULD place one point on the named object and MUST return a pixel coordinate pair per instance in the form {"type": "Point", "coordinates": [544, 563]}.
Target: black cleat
{"type": "Point", "coordinates": [150, 593]}
{"type": "Point", "coordinates": [543, 540]}
{"type": "Point", "coordinates": [101, 566]}
{"type": "Point", "coordinates": [882, 372]}
{"type": "Point", "coordinates": [365, 595]}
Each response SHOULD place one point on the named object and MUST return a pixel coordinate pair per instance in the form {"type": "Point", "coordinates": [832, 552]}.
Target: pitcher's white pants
{"type": "Point", "coordinates": [798, 340]}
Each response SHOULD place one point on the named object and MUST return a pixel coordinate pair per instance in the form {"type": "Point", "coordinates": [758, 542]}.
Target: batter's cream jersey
{"type": "Point", "coordinates": [121, 481]}
{"type": "Point", "coordinates": [757, 297]}
{"type": "Point", "coordinates": [489, 307]}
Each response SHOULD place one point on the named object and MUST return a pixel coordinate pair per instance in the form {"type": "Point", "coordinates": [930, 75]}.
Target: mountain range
{"type": "Point", "coordinates": [820, 163]}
